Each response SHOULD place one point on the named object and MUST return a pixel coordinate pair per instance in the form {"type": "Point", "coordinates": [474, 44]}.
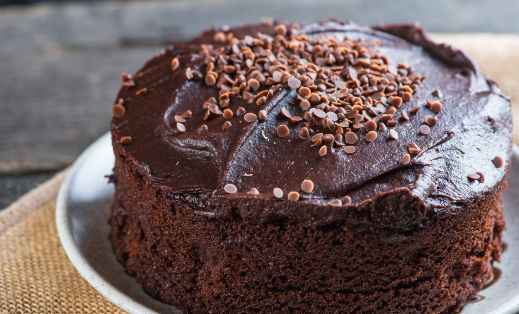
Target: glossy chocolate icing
{"type": "Point", "coordinates": [474, 126]}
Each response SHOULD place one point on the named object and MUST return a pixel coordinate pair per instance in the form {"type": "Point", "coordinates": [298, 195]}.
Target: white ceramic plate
{"type": "Point", "coordinates": [82, 212]}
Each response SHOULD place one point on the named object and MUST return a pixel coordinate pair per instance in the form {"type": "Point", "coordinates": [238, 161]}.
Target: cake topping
{"type": "Point", "coordinates": [293, 196]}
{"type": "Point", "coordinates": [498, 162]}
{"type": "Point", "coordinates": [142, 91]}
{"type": "Point", "coordinates": [393, 134]}
{"type": "Point", "coordinates": [241, 111]}
{"type": "Point", "coordinates": [181, 127]}
{"type": "Point", "coordinates": [481, 177]}
{"type": "Point", "coordinates": [436, 107]}
{"type": "Point", "coordinates": [253, 191]}
{"type": "Point", "coordinates": [125, 139]}
{"type": "Point", "coordinates": [175, 64]}
{"type": "Point", "coordinates": [346, 200]}
{"type": "Point", "coordinates": [415, 109]}
{"type": "Point", "coordinates": [473, 176]}
{"type": "Point", "coordinates": [187, 114]}
{"type": "Point", "coordinates": [262, 115]}
{"type": "Point", "coordinates": [250, 117]}
{"type": "Point", "coordinates": [226, 125]}
{"type": "Point", "coordinates": [424, 129]}
{"type": "Point", "coordinates": [230, 188]}
{"type": "Point", "coordinates": [118, 110]}
{"type": "Point", "coordinates": [282, 130]}
{"type": "Point", "coordinates": [349, 149]}
{"type": "Point", "coordinates": [202, 128]}
{"type": "Point", "coordinates": [371, 136]}
{"type": "Point", "coordinates": [406, 159]}
{"type": "Point", "coordinates": [437, 93]}
{"type": "Point", "coordinates": [278, 192]}
{"type": "Point", "coordinates": [430, 120]}
{"type": "Point", "coordinates": [307, 186]}
{"type": "Point", "coordinates": [228, 114]}
{"type": "Point", "coordinates": [335, 202]}
{"type": "Point", "coordinates": [323, 150]}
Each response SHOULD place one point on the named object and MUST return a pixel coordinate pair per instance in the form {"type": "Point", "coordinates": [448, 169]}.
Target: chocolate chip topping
{"type": "Point", "coordinates": [262, 115]}
{"type": "Point", "coordinates": [181, 127]}
{"type": "Point", "coordinates": [437, 93]}
{"type": "Point", "coordinates": [393, 134]}
{"type": "Point", "coordinates": [187, 114]}
{"type": "Point", "coordinates": [293, 196]}
{"type": "Point", "coordinates": [350, 138]}
{"type": "Point", "coordinates": [424, 130]}
{"type": "Point", "coordinates": [241, 111]}
{"type": "Point", "coordinates": [278, 192]}
{"type": "Point", "coordinates": [250, 117]}
{"type": "Point", "coordinates": [226, 125]}
{"type": "Point", "coordinates": [371, 136]}
{"type": "Point", "coordinates": [307, 186]}
{"type": "Point", "coordinates": [335, 202]}
{"type": "Point", "coordinates": [407, 96]}
{"type": "Point", "coordinates": [323, 150]}
{"type": "Point", "coordinates": [346, 200]}
{"type": "Point", "coordinates": [436, 107]}
{"type": "Point", "coordinates": [396, 101]}
{"type": "Point", "coordinates": [481, 177]}
{"type": "Point", "coordinates": [228, 114]}
{"type": "Point", "coordinates": [125, 139]}
{"type": "Point", "coordinates": [142, 91]}
{"type": "Point", "coordinates": [498, 162]}
{"type": "Point", "coordinates": [230, 188]}
{"type": "Point", "coordinates": [175, 64]}
{"type": "Point", "coordinates": [371, 125]}
{"type": "Point", "coordinates": [473, 176]}
{"type": "Point", "coordinates": [294, 83]}
{"type": "Point", "coordinates": [118, 110]}
{"type": "Point", "coordinates": [406, 159]}
{"type": "Point", "coordinates": [253, 191]}
{"type": "Point", "coordinates": [282, 130]}
{"type": "Point", "coordinates": [202, 128]}
{"type": "Point", "coordinates": [349, 149]}
{"type": "Point", "coordinates": [430, 120]}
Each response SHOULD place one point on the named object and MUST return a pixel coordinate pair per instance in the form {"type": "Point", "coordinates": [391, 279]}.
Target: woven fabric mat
{"type": "Point", "coordinates": [36, 275]}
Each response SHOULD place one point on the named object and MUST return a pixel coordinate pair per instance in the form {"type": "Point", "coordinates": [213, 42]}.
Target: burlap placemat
{"type": "Point", "coordinates": [36, 275]}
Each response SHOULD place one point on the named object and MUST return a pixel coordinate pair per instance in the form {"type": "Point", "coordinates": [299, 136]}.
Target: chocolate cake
{"type": "Point", "coordinates": [310, 168]}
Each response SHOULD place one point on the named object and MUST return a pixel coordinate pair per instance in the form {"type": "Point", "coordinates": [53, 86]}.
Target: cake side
{"type": "Point", "coordinates": [232, 263]}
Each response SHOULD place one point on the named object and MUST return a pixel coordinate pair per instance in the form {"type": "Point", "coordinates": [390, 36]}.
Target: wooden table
{"type": "Point", "coordinates": [60, 63]}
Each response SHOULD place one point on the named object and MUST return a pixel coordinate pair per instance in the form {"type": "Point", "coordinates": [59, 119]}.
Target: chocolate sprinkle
{"type": "Point", "coordinates": [371, 136]}
{"type": "Point", "coordinates": [304, 133]}
{"type": "Point", "coordinates": [406, 159]}
{"type": "Point", "coordinates": [262, 115]}
{"type": "Point", "coordinates": [335, 202]}
{"type": "Point", "coordinates": [430, 120]}
{"type": "Point", "coordinates": [278, 192]}
{"type": "Point", "coordinates": [175, 64]}
{"type": "Point", "coordinates": [350, 138]}
{"type": "Point", "coordinates": [307, 186]}
{"type": "Point", "coordinates": [498, 162]}
{"type": "Point", "coordinates": [202, 128]}
{"type": "Point", "coordinates": [230, 188]}
{"type": "Point", "coordinates": [187, 114]}
{"type": "Point", "coordinates": [293, 196]}
{"type": "Point", "coordinates": [371, 125]}
{"type": "Point", "coordinates": [424, 130]}
{"type": "Point", "coordinates": [228, 114]}
{"type": "Point", "coordinates": [323, 150]}
{"type": "Point", "coordinates": [250, 117]}
{"type": "Point", "coordinates": [473, 176]}
{"type": "Point", "coordinates": [179, 119]}
{"type": "Point", "coordinates": [346, 199]}
{"type": "Point", "coordinates": [240, 111]}
{"type": "Point", "coordinates": [294, 83]}
{"type": "Point", "coordinates": [253, 191]}
{"type": "Point", "coordinates": [125, 139]}
{"type": "Point", "coordinates": [282, 130]}
{"type": "Point", "coordinates": [436, 107]}
{"type": "Point", "coordinates": [118, 110]}
{"type": "Point", "coordinates": [226, 125]}
{"type": "Point", "coordinates": [349, 149]}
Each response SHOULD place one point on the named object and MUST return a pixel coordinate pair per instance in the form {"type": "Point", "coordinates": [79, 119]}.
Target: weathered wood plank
{"type": "Point", "coordinates": [60, 64]}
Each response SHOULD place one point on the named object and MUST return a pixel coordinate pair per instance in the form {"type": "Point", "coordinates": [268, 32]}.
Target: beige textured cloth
{"type": "Point", "coordinates": [36, 275]}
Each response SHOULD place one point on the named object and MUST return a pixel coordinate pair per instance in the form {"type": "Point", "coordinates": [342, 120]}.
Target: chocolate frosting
{"type": "Point", "coordinates": [473, 128]}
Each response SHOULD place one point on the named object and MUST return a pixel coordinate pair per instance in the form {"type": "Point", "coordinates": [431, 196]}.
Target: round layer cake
{"type": "Point", "coordinates": [310, 168]}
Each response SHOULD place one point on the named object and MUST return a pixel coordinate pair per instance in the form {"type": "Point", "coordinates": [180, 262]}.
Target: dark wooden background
{"type": "Point", "coordinates": [60, 62]}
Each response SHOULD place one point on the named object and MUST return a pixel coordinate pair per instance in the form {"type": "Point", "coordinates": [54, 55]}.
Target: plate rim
{"type": "Point", "coordinates": [66, 237]}
{"type": "Point", "coordinates": [109, 291]}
